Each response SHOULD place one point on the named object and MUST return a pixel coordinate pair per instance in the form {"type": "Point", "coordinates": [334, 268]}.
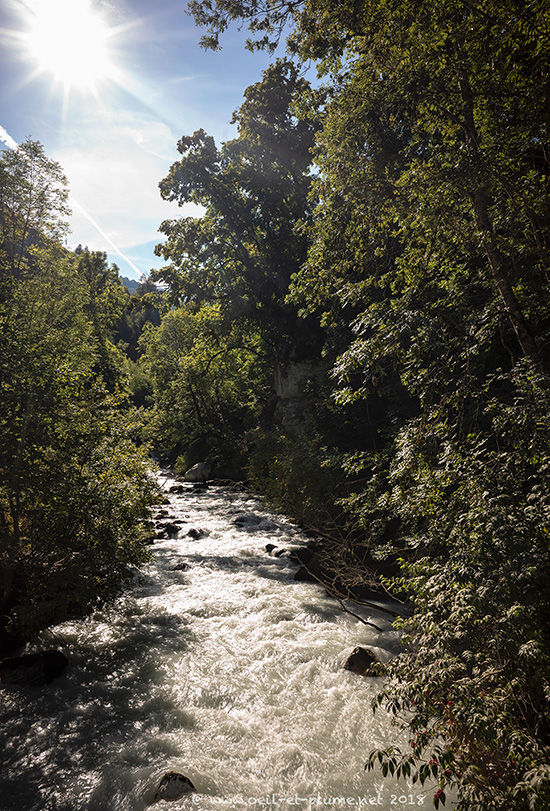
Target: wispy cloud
{"type": "Point", "coordinates": [100, 236]}
{"type": "Point", "coordinates": [6, 138]}
{"type": "Point", "coordinates": [115, 162]}
{"type": "Point", "coordinates": [104, 236]}
{"type": "Point", "coordinates": [182, 79]}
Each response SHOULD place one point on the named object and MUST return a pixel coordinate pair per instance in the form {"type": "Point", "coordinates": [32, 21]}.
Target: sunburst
{"type": "Point", "coordinates": [69, 39]}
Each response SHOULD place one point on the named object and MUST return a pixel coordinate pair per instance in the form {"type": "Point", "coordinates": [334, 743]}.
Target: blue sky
{"type": "Point", "coordinates": [117, 143]}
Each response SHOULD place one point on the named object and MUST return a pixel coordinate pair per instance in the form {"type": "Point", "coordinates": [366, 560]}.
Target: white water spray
{"type": "Point", "coordinates": [228, 672]}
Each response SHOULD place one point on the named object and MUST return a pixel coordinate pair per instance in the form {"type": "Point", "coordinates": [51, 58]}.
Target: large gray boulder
{"type": "Point", "coordinates": [199, 472]}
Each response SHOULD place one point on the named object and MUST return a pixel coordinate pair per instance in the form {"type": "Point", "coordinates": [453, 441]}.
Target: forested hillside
{"type": "Point", "coordinates": [358, 326]}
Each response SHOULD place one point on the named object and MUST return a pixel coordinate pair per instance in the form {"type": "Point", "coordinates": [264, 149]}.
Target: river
{"type": "Point", "coordinates": [228, 671]}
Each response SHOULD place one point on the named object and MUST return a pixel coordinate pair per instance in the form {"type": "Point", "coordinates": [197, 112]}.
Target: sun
{"type": "Point", "coordinates": [69, 39]}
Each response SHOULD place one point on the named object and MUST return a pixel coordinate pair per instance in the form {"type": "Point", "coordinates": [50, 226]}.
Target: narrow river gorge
{"type": "Point", "coordinates": [216, 664]}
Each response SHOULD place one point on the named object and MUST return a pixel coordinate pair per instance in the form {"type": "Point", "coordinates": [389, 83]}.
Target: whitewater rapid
{"type": "Point", "coordinates": [229, 672]}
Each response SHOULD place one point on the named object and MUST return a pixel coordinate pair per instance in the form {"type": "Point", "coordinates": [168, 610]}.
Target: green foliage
{"type": "Point", "coordinates": [143, 307]}
{"type": "Point", "coordinates": [286, 469]}
{"type": "Point", "coordinates": [476, 671]}
{"type": "Point", "coordinates": [214, 357]}
{"type": "Point", "coordinates": [242, 253]}
{"type": "Point", "coordinates": [428, 265]}
{"type": "Point", "coordinates": [105, 300]}
{"type": "Point", "coordinates": [75, 489]}
{"type": "Point", "coordinates": [209, 381]}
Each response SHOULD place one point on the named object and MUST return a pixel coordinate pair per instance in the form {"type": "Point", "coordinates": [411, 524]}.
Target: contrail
{"type": "Point", "coordinates": [105, 236]}
{"type": "Point", "coordinates": [6, 138]}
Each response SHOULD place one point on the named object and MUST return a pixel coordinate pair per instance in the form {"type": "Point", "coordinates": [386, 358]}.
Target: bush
{"type": "Point", "coordinates": [475, 672]}
{"type": "Point", "coordinates": [289, 471]}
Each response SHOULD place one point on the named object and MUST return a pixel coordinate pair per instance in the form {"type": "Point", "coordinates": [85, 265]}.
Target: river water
{"type": "Point", "coordinates": [229, 672]}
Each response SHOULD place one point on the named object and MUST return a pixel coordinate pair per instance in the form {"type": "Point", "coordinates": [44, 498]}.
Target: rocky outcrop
{"type": "Point", "coordinates": [277, 551]}
{"type": "Point", "coordinates": [289, 382]}
{"type": "Point", "coordinates": [170, 529]}
{"type": "Point", "coordinates": [303, 575]}
{"type": "Point", "coordinates": [199, 472]}
{"type": "Point", "coordinates": [303, 555]}
{"type": "Point", "coordinates": [32, 669]}
{"type": "Point", "coordinates": [173, 786]}
{"type": "Point", "coordinates": [363, 662]}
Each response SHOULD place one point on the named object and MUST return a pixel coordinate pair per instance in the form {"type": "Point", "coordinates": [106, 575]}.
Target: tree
{"type": "Point", "coordinates": [429, 261]}
{"type": "Point", "coordinates": [232, 267]}
{"type": "Point", "coordinates": [244, 250]}
{"type": "Point", "coordinates": [209, 383]}
{"type": "Point", "coordinates": [33, 205]}
{"type": "Point", "coordinates": [74, 489]}
{"type": "Point", "coordinates": [105, 302]}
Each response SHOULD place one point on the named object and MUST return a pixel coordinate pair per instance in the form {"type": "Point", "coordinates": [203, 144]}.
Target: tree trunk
{"type": "Point", "coordinates": [480, 202]}
{"type": "Point", "coordinates": [498, 269]}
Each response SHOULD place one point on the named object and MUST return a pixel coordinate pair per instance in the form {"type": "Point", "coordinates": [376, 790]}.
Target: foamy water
{"type": "Point", "coordinates": [229, 672]}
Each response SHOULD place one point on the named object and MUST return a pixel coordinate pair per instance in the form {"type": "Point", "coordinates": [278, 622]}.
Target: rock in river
{"type": "Point", "coordinates": [173, 786]}
{"type": "Point", "coordinates": [303, 575]}
{"type": "Point", "coordinates": [33, 669]}
{"type": "Point", "coordinates": [362, 661]}
{"type": "Point", "coordinates": [197, 534]}
{"type": "Point", "coordinates": [171, 530]}
{"type": "Point", "coordinates": [247, 520]}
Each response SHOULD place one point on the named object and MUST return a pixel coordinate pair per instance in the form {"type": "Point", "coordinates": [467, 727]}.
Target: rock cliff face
{"type": "Point", "coordinates": [289, 383]}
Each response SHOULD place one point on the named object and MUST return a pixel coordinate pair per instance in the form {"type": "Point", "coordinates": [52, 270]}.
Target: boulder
{"type": "Point", "coordinates": [269, 548]}
{"type": "Point", "coordinates": [33, 669]}
{"type": "Point", "coordinates": [197, 534]}
{"type": "Point", "coordinates": [303, 555]}
{"type": "Point", "coordinates": [173, 786]}
{"type": "Point", "coordinates": [180, 567]}
{"type": "Point", "coordinates": [199, 472]}
{"type": "Point", "coordinates": [247, 520]}
{"type": "Point", "coordinates": [281, 553]}
{"type": "Point", "coordinates": [362, 661]}
{"type": "Point", "coordinates": [177, 488]}
{"type": "Point", "coordinates": [304, 576]}
{"type": "Point", "coordinates": [171, 530]}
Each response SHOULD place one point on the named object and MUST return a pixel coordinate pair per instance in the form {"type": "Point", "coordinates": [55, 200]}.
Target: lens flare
{"type": "Point", "coordinates": [69, 39]}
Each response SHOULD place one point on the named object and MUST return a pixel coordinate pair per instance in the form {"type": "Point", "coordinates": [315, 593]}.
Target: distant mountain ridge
{"type": "Point", "coordinates": [131, 285]}
{"type": "Point", "coordinates": [139, 286]}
